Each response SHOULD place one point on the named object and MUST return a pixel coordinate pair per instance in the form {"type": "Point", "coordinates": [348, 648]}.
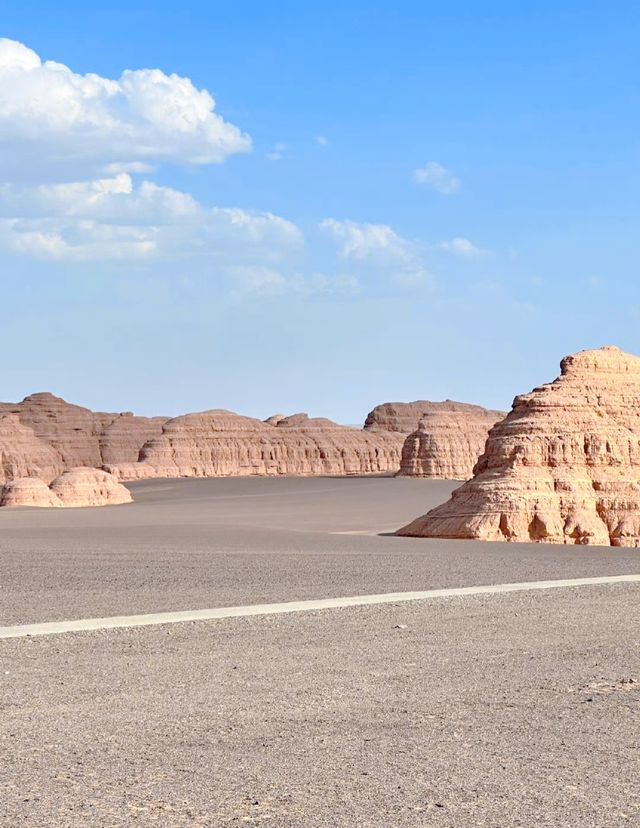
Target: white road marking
{"type": "Point", "coordinates": [151, 619]}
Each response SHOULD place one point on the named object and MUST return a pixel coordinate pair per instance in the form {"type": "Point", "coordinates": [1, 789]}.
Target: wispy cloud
{"type": "Point", "coordinates": [438, 177]}
{"type": "Point", "coordinates": [277, 153]}
{"type": "Point", "coordinates": [462, 247]}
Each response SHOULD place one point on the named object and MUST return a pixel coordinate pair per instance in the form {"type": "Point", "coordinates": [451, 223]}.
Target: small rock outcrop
{"type": "Point", "coordinates": [89, 487]}
{"type": "Point", "coordinates": [562, 467]}
{"type": "Point", "coordinates": [23, 454]}
{"type": "Point", "coordinates": [76, 487]}
{"type": "Point", "coordinates": [219, 443]}
{"type": "Point", "coordinates": [28, 491]}
{"type": "Point", "coordinates": [448, 442]}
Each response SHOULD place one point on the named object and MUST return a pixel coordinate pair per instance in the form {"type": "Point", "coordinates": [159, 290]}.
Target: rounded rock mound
{"type": "Point", "coordinates": [28, 491]}
{"type": "Point", "coordinates": [89, 487]}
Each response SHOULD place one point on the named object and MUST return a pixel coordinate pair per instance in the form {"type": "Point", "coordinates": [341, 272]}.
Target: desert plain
{"type": "Point", "coordinates": [446, 711]}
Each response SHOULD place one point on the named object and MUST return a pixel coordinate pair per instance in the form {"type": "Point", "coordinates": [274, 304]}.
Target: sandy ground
{"type": "Point", "coordinates": [500, 710]}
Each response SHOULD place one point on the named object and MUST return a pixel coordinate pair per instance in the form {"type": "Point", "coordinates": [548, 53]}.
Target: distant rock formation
{"type": "Point", "coordinates": [219, 443]}
{"type": "Point", "coordinates": [23, 454]}
{"type": "Point", "coordinates": [76, 487]}
{"type": "Point", "coordinates": [448, 442]}
{"type": "Point", "coordinates": [562, 467]}
{"type": "Point", "coordinates": [82, 437]}
{"type": "Point", "coordinates": [405, 417]}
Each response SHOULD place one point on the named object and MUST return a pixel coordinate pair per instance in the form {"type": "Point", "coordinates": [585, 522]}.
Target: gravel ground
{"type": "Point", "coordinates": [501, 711]}
{"type": "Point", "coordinates": [193, 544]}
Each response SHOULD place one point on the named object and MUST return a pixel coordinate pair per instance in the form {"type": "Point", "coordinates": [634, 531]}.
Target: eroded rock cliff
{"type": "Point", "coordinates": [562, 467]}
{"type": "Point", "coordinates": [219, 443]}
{"type": "Point", "coordinates": [448, 442]}
{"type": "Point", "coordinates": [82, 437]}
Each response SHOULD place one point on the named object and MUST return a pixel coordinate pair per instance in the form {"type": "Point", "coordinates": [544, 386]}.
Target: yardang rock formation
{"type": "Point", "coordinates": [448, 441]}
{"type": "Point", "coordinates": [219, 443]}
{"type": "Point", "coordinates": [562, 467]}
{"type": "Point", "coordinates": [76, 487]}
{"type": "Point", "coordinates": [81, 437]}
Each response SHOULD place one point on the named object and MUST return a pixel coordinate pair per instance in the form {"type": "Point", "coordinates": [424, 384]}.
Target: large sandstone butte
{"type": "Point", "coordinates": [79, 436]}
{"type": "Point", "coordinates": [562, 467]}
{"type": "Point", "coordinates": [448, 441]}
{"type": "Point", "coordinates": [220, 443]}
{"type": "Point", "coordinates": [75, 487]}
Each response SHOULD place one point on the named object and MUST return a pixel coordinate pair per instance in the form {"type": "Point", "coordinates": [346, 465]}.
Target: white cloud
{"type": "Point", "coordinates": [277, 153]}
{"type": "Point", "coordinates": [54, 119]}
{"type": "Point", "coordinates": [462, 247]}
{"type": "Point", "coordinates": [437, 177]}
{"type": "Point", "coordinates": [112, 219]}
{"type": "Point", "coordinates": [322, 140]}
{"type": "Point", "coordinates": [362, 241]}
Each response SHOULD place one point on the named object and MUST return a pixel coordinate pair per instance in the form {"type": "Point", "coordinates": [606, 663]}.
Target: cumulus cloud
{"type": "Point", "coordinates": [377, 250]}
{"type": "Point", "coordinates": [437, 177]}
{"type": "Point", "coordinates": [462, 247]}
{"type": "Point", "coordinates": [53, 118]}
{"type": "Point", "coordinates": [362, 241]}
{"type": "Point", "coordinates": [113, 219]}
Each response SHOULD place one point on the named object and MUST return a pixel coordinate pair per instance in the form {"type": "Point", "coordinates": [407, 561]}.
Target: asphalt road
{"type": "Point", "coordinates": [501, 710]}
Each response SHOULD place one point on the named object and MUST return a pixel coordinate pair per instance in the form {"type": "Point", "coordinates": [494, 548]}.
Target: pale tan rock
{"type": "Point", "coordinates": [23, 454]}
{"type": "Point", "coordinates": [562, 467]}
{"type": "Point", "coordinates": [220, 443]}
{"type": "Point", "coordinates": [274, 419]}
{"type": "Point", "coordinates": [89, 487]}
{"type": "Point", "coordinates": [406, 417]}
{"type": "Point", "coordinates": [82, 437]}
{"type": "Point", "coordinates": [122, 439]}
{"type": "Point", "coordinates": [130, 471]}
{"type": "Point", "coordinates": [448, 442]}
{"type": "Point", "coordinates": [28, 491]}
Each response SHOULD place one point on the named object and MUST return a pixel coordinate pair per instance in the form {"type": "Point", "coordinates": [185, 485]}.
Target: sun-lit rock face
{"type": "Point", "coordinates": [562, 467]}
{"type": "Point", "coordinates": [76, 487]}
{"type": "Point", "coordinates": [23, 454]}
{"type": "Point", "coordinates": [82, 437]}
{"type": "Point", "coordinates": [28, 491]}
{"type": "Point", "coordinates": [448, 442]}
{"type": "Point", "coordinates": [220, 443]}
{"type": "Point", "coordinates": [89, 487]}
{"type": "Point", "coordinates": [405, 418]}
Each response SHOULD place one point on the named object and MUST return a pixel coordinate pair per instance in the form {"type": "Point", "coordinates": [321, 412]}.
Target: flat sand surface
{"type": "Point", "coordinates": [502, 710]}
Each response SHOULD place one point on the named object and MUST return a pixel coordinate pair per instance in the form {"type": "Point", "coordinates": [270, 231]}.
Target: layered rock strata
{"type": "Point", "coordinates": [76, 487]}
{"type": "Point", "coordinates": [220, 443]}
{"type": "Point", "coordinates": [405, 418]}
{"type": "Point", "coordinates": [23, 454]}
{"type": "Point", "coordinates": [448, 442]}
{"type": "Point", "coordinates": [28, 491]}
{"type": "Point", "coordinates": [82, 437]}
{"type": "Point", "coordinates": [562, 467]}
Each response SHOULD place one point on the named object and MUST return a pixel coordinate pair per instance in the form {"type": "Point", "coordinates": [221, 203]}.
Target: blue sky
{"type": "Point", "coordinates": [400, 201]}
